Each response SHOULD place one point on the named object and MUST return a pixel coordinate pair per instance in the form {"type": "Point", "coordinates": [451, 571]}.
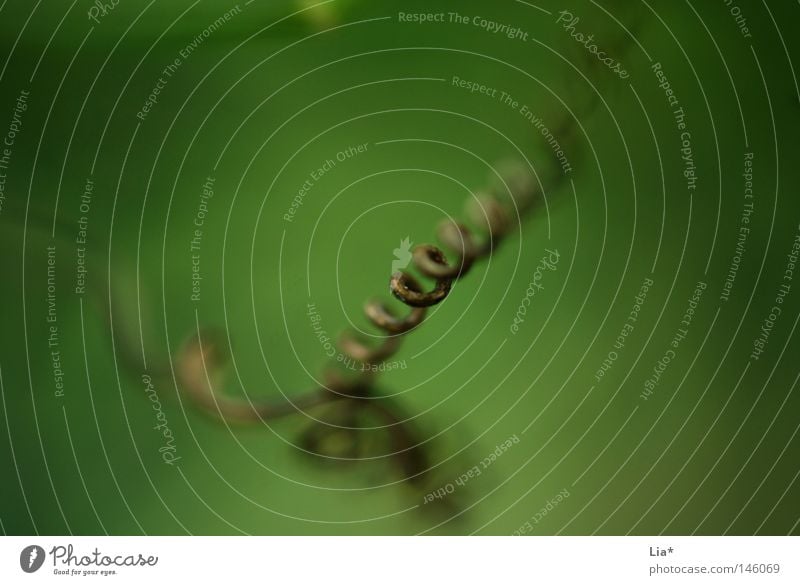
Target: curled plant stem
{"type": "Point", "coordinates": [491, 214]}
{"type": "Point", "coordinates": [201, 359]}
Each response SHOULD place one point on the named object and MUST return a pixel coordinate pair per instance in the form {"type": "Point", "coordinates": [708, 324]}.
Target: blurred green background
{"type": "Point", "coordinates": [261, 102]}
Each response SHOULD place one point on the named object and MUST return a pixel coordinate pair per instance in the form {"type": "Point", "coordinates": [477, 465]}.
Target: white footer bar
{"type": "Point", "coordinates": [400, 560]}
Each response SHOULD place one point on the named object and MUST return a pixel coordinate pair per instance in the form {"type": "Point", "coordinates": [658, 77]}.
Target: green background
{"type": "Point", "coordinates": [269, 97]}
